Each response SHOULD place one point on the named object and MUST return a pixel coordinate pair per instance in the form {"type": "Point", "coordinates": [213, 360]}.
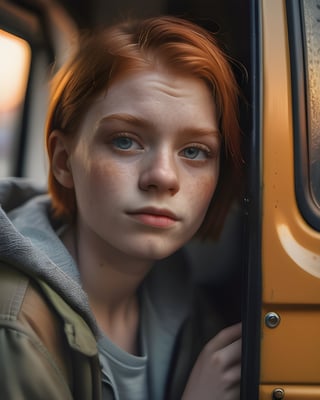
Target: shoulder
{"type": "Point", "coordinates": [41, 332]}
{"type": "Point", "coordinates": [31, 339]}
{"type": "Point", "coordinates": [25, 313]}
{"type": "Point", "coordinates": [30, 304]}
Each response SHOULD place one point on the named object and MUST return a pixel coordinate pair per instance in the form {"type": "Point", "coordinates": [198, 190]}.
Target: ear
{"type": "Point", "coordinates": [60, 164]}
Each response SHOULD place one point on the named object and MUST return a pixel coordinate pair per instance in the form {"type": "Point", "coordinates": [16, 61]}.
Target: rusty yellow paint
{"type": "Point", "coordinates": [291, 392]}
{"type": "Point", "coordinates": [290, 353]}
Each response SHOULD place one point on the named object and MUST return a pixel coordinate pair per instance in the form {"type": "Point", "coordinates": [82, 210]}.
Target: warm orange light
{"type": "Point", "coordinates": [15, 55]}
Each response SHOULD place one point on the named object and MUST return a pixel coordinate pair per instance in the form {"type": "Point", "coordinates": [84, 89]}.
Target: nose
{"type": "Point", "coordinates": [160, 173]}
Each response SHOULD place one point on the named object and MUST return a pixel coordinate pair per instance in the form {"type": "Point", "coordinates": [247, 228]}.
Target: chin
{"type": "Point", "coordinates": [157, 251]}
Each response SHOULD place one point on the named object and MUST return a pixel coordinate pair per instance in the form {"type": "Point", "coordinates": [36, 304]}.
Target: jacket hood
{"type": "Point", "coordinates": [14, 192]}
{"type": "Point", "coordinates": [29, 243]}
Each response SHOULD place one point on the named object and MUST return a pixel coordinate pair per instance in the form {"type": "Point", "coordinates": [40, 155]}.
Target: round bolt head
{"type": "Point", "coordinates": [278, 394]}
{"type": "Point", "coordinates": [272, 319]}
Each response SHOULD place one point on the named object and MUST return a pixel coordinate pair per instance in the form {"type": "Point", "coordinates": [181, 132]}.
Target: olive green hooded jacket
{"type": "Point", "coordinates": [48, 335]}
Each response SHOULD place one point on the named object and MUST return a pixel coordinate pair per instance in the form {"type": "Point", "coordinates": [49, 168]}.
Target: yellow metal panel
{"type": "Point", "coordinates": [291, 392]}
{"type": "Point", "coordinates": [291, 250]}
{"type": "Point", "coordinates": [290, 353]}
{"type": "Point", "coordinates": [290, 247]}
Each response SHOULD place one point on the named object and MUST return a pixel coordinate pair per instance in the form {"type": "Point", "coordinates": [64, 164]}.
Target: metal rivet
{"type": "Point", "coordinates": [272, 319]}
{"type": "Point", "coordinates": [278, 394]}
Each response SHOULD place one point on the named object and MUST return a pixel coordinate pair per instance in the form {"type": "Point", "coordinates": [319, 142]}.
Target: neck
{"type": "Point", "coordinates": [111, 281]}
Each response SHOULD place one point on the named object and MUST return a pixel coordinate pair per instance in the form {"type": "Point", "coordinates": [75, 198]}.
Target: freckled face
{"type": "Point", "coordinates": [145, 164]}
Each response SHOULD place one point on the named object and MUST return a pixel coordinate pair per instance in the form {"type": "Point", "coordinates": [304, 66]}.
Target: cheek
{"type": "Point", "coordinates": [205, 188]}
{"type": "Point", "coordinates": [200, 195]}
{"type": "Point", "coordinates": [110, 181]}
{"type": "Point", "coordinates": [97, 180]}
{"type": "Point", "coordinates": [198, 198]}
{"type": "Point", "coordinates": [103, 170]}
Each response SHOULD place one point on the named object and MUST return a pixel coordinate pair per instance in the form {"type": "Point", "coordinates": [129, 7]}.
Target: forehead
{"type": "Point", "coordinates": [159, 96]}
{"type": "Point", "coordinates": [160, 80]}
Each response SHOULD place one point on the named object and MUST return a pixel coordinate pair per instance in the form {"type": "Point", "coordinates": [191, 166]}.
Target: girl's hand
{"type": "Point", "coordinates": [217, 371]}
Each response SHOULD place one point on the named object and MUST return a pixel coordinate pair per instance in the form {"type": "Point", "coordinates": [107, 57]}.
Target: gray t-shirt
{"type": "Point", "coordinates": [141, 377]}
{"type": "Point", "coordinates": [127, 372]}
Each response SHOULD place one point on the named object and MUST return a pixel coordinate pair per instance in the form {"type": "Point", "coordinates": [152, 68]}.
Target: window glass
{"type": "Point", "coordinates": [311, 10]}
{"type": "Point", "coordinates": [15, 56]}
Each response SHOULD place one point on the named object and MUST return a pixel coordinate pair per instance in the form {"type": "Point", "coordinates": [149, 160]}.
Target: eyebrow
{"type": "Point", "coordinates": [127, 118]}
{"type": "Point", "coordinates": [143, 123]}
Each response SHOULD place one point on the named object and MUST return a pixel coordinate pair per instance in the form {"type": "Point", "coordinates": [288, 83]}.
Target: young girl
{"type": "Point", "coordinates": [142, 132]}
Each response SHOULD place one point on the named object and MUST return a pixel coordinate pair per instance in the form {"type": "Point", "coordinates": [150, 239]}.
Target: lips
{"type": "Point", "coordinates": [160, 218]}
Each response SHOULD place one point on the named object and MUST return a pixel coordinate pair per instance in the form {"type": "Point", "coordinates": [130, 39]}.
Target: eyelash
{"type": "Point", "coordinates": [206, 151]}
{"type": "Point", "coordinates": [201, 148]}
{"type": "Point", "coordinates": [124, 135]}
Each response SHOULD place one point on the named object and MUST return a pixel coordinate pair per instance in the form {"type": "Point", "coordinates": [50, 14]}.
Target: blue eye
{"type": "Point", "coordinates": [195, 153]}
{"type": "Point", "coordinates": [122, 142]}
{"type": "Point", "coordinates": [191, 152]}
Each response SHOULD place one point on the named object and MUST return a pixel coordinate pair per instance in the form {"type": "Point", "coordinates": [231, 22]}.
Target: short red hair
{"type": "Point", "coordinates": [176, 44]}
